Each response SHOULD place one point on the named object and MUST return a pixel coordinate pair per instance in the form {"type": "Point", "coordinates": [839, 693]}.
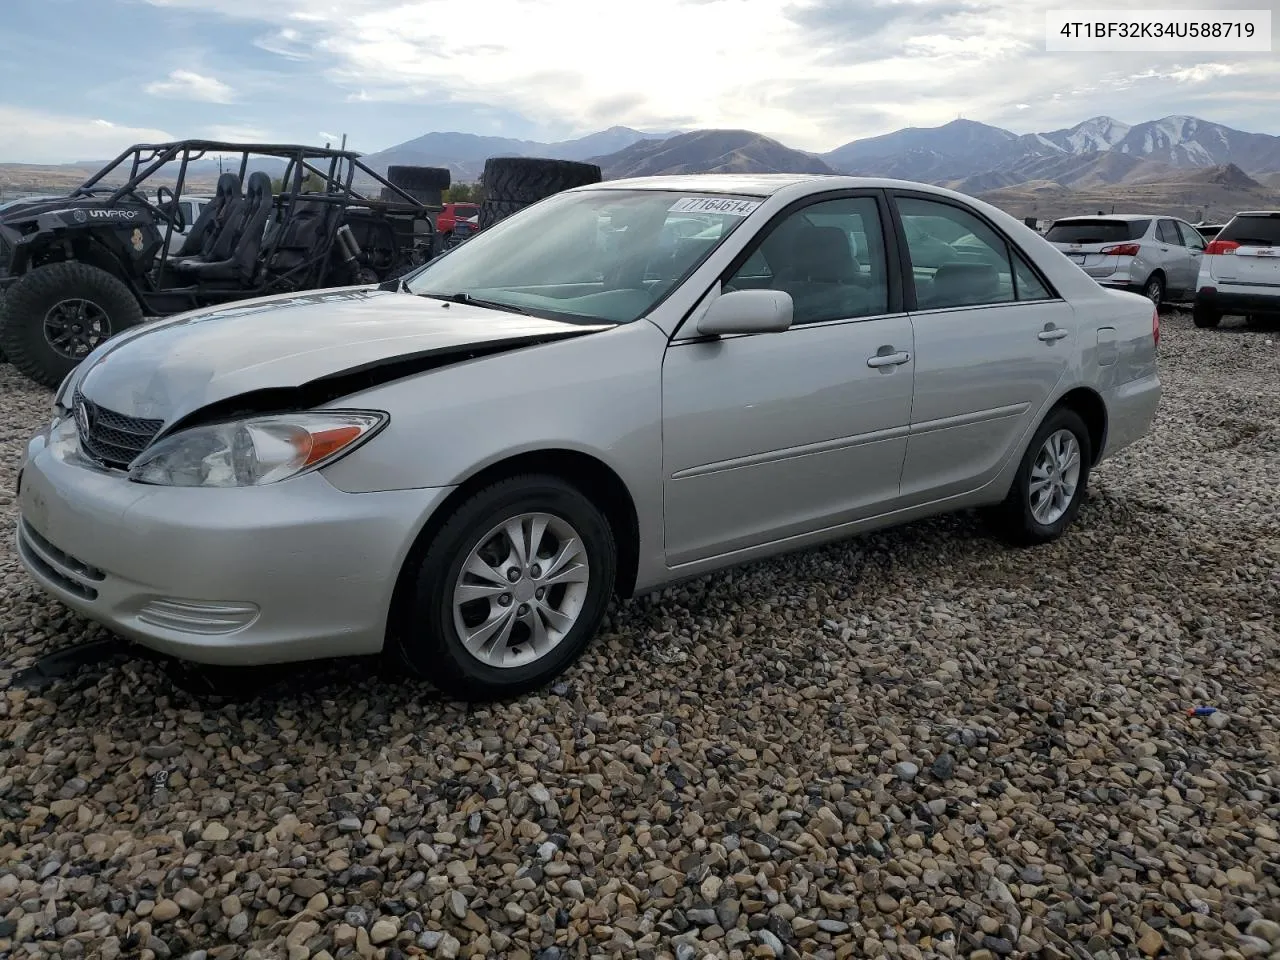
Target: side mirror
{"type": "Point", "coordinates": [747, 311]}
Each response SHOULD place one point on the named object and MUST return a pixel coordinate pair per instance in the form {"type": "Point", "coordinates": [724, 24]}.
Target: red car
{"type": "Point", "coordinates": [448, 217]}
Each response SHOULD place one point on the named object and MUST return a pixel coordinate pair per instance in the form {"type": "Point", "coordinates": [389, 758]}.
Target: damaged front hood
{"type": "Point", "coordinates": [303, 349]}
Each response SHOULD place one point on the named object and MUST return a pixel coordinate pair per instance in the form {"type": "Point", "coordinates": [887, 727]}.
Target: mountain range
{"type": "Point", "coordinates": [971, 156]}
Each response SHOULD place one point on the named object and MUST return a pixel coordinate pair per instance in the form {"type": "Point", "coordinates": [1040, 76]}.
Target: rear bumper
{"type": "Point", "coordinates": [1246, 300]}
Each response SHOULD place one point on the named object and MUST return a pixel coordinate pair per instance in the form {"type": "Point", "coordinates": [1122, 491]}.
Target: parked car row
{"type": "Point", "coordinates": [1231, 268]}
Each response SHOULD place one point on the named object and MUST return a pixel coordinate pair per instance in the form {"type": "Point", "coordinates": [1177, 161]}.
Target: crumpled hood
{"type": "Point", "coordinates": [170, 368]}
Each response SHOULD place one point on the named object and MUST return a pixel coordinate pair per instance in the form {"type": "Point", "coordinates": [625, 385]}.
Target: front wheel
{"type": "Point", "coordinates": [1050, 483]}
{"type": "Point", "coordinates": [53, 316]}
{"type": "Point", "coordinates": [509, 591]}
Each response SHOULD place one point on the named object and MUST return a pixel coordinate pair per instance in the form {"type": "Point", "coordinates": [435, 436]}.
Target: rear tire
{"type": "Point", "coordinates": [28, 309]}
{"type": "Point", "coordinates": [424, 184]}
{"type": "Point", "coordinates": [1022, 518]}
{"type": "Point", "coordinates": [1204, 318]}
{"type": "Point", "coordinates": [1154, 289]}
{"type": "Point", "coordinates": [526, 180]}
{"type": "Point", "coordinates": [429, 624]}
{"type": "Point", "coordinates": [491, 211]}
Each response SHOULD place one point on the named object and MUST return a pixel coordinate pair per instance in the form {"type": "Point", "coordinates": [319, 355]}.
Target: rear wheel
{"type": "Point", "coordinates": [54, 315]}
{"type": "Point", "coordinates": [1050, 483]}
{"type": "Point", "coordinates": [1154, 289]}
{"type": "Point", "coordinates": [1204, 318]}
{"type": "Point", "coordinates": [509, 591]}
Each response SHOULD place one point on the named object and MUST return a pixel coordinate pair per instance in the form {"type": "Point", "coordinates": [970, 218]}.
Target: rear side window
{"type": "Point", "coordinates": [970, 269]}
{"type": "Point", "coordinates": [1097, 231]}
{"type": "Point", "coordinates": [1253, 230]}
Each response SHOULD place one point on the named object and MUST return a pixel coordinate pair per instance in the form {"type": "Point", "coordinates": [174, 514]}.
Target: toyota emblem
{"type": "Point", "coordinates": [84, 419]}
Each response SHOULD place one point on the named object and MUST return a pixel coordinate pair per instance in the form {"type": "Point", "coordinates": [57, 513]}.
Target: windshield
{"type": "Point", "coordinates": [1096, 231]}
{"type": "Point", "coordinates": [1251, 229]}
{"type": "Point", "coordinates": [595, 255]}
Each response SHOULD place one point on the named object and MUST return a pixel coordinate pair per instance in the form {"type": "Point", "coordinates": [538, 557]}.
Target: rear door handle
{"type": "Point", "coordinates": [1050, 335]}
{"type": "Point", "coordinates": [888, 359]}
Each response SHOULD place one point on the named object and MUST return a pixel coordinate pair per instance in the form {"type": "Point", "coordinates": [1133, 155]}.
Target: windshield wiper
{"type": "Point", "coordinates": [464, 297]}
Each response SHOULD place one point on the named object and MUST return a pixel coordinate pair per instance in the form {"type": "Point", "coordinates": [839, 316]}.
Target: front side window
{"type": "Point", "coordinates": [1190, 235]}
{"type": "Point", "coordinates": [592, 255]}
{"type": "Point", "coordinates": [970, 268]}
{"type": "Point", "coordinates": [829, 257]}
{"type": "Point", "coordinates": [1168, 233]}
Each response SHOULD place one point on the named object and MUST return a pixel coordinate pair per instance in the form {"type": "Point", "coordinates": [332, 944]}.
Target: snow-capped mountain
{"type": "Point", "coordinates": [1097, 133]}
{"type": "Point", "coordinates": [964, 149]}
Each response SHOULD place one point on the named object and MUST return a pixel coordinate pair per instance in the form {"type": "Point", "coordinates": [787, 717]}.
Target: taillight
{"type": "Point", "coordinates": [1155, 326]}
{"type": "Point", "coordinates": [1121, 250]}
{"type": "Point", "coordinates": [1220, 248]}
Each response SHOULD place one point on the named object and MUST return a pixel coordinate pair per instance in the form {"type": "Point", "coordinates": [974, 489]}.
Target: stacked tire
{"type": "Point", "coordinates": [425, 184]}
{"type": "Point", "coordinates": [513, 183]}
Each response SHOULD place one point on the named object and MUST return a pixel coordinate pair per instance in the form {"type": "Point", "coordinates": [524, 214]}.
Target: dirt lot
{"type": "Point", "coordinates": [916, 744]}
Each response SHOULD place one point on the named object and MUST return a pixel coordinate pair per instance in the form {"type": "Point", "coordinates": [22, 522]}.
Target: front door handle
{"type": "Point", "coordinates": [1048, 336]}
{"type": "Point", "coordinates": [888, 359]}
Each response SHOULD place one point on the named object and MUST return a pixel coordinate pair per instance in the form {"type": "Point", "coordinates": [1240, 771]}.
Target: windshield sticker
{"type": "Point", "coordinates": [727, 205]}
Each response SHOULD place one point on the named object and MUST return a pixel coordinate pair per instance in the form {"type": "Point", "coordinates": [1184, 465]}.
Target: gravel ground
{"type": "Point", "coordinates": [917, 744]}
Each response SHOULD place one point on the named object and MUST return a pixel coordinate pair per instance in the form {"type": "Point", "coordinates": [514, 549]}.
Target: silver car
{"type": "Point", "coordinates": [1158, 257]}
{"type": "Point", "coordinates": [462, 467]}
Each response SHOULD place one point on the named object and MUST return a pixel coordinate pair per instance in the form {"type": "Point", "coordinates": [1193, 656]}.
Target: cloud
{"type": "Point", "coordinates": [187, 85]}
{"type": "Point", "coordinates": [813, 72]}
{"type": "Point", "coordinates": [47, 138]}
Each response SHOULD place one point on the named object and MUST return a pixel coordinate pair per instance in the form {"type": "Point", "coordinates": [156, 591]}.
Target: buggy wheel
{"type": "Point", "coordinates": [526, 180]}
{"type": "Point", "coordinates": [53, 316]}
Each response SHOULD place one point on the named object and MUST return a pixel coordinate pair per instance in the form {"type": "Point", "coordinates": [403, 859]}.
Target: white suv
{"type": "Point", "coordinates": [1241, 270]}
{"type": "Point", "coordinates": [1158, 257]}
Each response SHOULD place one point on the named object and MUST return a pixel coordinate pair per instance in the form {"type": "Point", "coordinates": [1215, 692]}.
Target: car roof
{"type": "Point", "coordinates": [1126, 217]}
{"type": "Point", "coordinates": [759, 184]}
{"type": "Point", "coordinates": [1258, 213]}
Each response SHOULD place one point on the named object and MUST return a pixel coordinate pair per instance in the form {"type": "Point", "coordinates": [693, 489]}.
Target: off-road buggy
{"type": "Point", "coordinates": [75, 270]}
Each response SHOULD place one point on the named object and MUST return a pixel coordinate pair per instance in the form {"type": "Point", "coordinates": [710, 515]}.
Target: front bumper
{"type": "Point", "coordinates": [1245, 302]}
{"type": "Point", "coordinates": [292, 571]}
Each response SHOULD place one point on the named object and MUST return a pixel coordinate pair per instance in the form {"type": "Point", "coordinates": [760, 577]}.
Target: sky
{"type": "Point", "coordinates": [83, 79]}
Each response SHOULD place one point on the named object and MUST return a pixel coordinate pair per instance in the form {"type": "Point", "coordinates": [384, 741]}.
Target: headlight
{"type": "Point", "coordinates": [248, 453]}
{"type": "Point", "coordinates": [62, 397]}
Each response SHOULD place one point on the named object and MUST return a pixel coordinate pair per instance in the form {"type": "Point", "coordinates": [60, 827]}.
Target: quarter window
{"type": "Point", "coordinates": [828, 256]}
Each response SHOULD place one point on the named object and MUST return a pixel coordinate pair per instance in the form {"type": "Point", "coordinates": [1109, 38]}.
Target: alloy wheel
{"type": "Point", "coordinates": [74, 327]}
{"type": "Point", "coordinates": [521, 590]}
{"type": "Point", "coordinates": [1055, 475]}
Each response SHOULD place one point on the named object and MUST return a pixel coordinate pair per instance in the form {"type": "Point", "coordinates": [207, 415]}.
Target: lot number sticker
{"type": "Point", "coordinates": [726, 205]}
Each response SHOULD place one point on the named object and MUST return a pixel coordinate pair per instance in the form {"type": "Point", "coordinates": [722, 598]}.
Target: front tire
{"type": "Point", "coordinates": [1050, 484]}
{"type": "Point", "coordinates": [54, 315]}
{"type": "Point", "coordinates": [509, 591]}
{"type": "Point", "coordinates": [1204, 318]}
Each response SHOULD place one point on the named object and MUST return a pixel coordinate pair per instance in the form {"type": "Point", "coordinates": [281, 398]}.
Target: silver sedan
{"type": "Point", "coordinates": [624, 385]}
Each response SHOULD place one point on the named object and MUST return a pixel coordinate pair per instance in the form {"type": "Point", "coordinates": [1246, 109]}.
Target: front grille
{"type": "Point", "coordinates": [109, 437]}
{"type": "Point", "coordinates": [63, 569]}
